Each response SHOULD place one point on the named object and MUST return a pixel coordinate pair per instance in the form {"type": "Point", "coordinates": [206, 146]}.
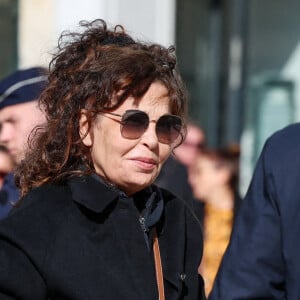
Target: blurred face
{"type": "Point", "coordinates": [6, 165]}
{"type": "Point", "coordinates": [16, 123]}
{"type": "Point", "coordinates": [187, 152]}
{"type": "Point", "coordinates": [131, 164]}
{"type": "Point", "coordinates": [205, 178]}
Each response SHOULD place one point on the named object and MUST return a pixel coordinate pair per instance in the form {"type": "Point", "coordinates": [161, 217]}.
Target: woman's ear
{"type": "Point", "coordinates": [85, 130]}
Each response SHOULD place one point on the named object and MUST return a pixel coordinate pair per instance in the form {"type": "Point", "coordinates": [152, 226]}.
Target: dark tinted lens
{"type": "Point", "coordinates": [134, 124]}
{"type": "Point", "coordinates": [168, 129]}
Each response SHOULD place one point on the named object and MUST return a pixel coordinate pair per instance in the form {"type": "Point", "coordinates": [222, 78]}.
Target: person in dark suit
{"type": "Point", "coordinates": [91, 224]}
{"type": "Point", "coordinates": [262, 260]}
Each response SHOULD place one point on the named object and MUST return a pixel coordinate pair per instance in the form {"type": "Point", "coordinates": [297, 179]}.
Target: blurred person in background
{"type": "Point", "coordinates": [214, 179]}
{"type": "Point", "coordinates": [174, 173]}
{"type": "Point", "coordinates": [19, 115]}
{"type": "Point", "coordinates": [90, 223]}
{"type": "Point", "coordinates": [187, 152]}
{"type": "Point", "coordinates": [6, 166]}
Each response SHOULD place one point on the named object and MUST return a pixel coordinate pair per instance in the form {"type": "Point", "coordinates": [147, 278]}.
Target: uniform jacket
{"type": "Point", "coordinates": [82, 240]}
{"type": "Point", "coordinates": [262, 260]}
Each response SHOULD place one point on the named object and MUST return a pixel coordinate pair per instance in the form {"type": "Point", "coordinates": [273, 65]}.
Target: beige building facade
{"type": "Point", "coordinates": [41, 22]}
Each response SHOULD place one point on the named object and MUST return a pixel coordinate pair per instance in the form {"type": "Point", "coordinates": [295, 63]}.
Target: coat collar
{"type": "Point", "coordinates": [86, 190]}
{"type": "Point", "coordinates": [94, 194]}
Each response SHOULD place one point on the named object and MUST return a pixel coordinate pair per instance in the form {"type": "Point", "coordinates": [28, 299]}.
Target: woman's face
{"type": "Point", "coordinates": [130, 164]}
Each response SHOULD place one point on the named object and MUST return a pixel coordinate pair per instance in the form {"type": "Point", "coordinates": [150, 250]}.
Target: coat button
{"type": "Point", "coordinates": [182, 276]}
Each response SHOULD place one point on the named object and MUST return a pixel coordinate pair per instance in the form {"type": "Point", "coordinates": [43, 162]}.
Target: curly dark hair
{"type": "Point", "coordinates": [96, 69]}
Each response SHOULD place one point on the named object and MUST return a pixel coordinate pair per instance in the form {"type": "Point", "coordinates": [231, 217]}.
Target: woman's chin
{"type": "Point", "coordinates": [133, 186]}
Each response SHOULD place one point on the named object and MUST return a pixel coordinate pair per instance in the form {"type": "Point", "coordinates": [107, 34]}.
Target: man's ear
{"type": "Point", "coordinates": [84, 130]}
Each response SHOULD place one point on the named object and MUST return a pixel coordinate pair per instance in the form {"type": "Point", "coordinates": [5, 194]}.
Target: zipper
{"type": "Point", "coordinates": [142, 223]}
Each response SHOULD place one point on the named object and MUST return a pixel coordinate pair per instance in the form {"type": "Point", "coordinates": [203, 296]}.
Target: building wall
{"type": "Point", "coordinates": [41, 22]}
{"type": "Point", "coordinates": [35, 32]}
{"type": "Point", "coordinates": [8, 36]}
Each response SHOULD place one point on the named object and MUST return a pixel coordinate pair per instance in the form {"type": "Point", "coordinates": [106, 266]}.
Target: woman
{"type": "Point", "coordinates": [214, 179]}
{"type": "Point", "coordinates": [88, 222]}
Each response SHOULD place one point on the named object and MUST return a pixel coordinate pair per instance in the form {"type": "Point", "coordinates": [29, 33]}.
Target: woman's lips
{"type": "Point", "coordinates": [145, 163]}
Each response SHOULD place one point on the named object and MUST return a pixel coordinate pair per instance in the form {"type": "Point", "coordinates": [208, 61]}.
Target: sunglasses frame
{"type": "Point", "coordinates": [137, 111]}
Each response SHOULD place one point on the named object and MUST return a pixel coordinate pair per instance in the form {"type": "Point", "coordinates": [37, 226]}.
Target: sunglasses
{"type": "Point", "coordinates": [134, 123]}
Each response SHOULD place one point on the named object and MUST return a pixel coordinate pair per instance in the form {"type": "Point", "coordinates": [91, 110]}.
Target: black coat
{"type": "Point", "coordinates": [82, 240]}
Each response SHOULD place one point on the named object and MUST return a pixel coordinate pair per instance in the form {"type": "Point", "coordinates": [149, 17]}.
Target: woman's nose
{"type": "Point", "coordinates": [149, 137]}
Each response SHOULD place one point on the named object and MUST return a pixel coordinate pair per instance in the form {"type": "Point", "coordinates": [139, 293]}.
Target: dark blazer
{"type": "Point", "coordinates": [82, 240]}
{"type": "Point", "coordinates": [263, 257]}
